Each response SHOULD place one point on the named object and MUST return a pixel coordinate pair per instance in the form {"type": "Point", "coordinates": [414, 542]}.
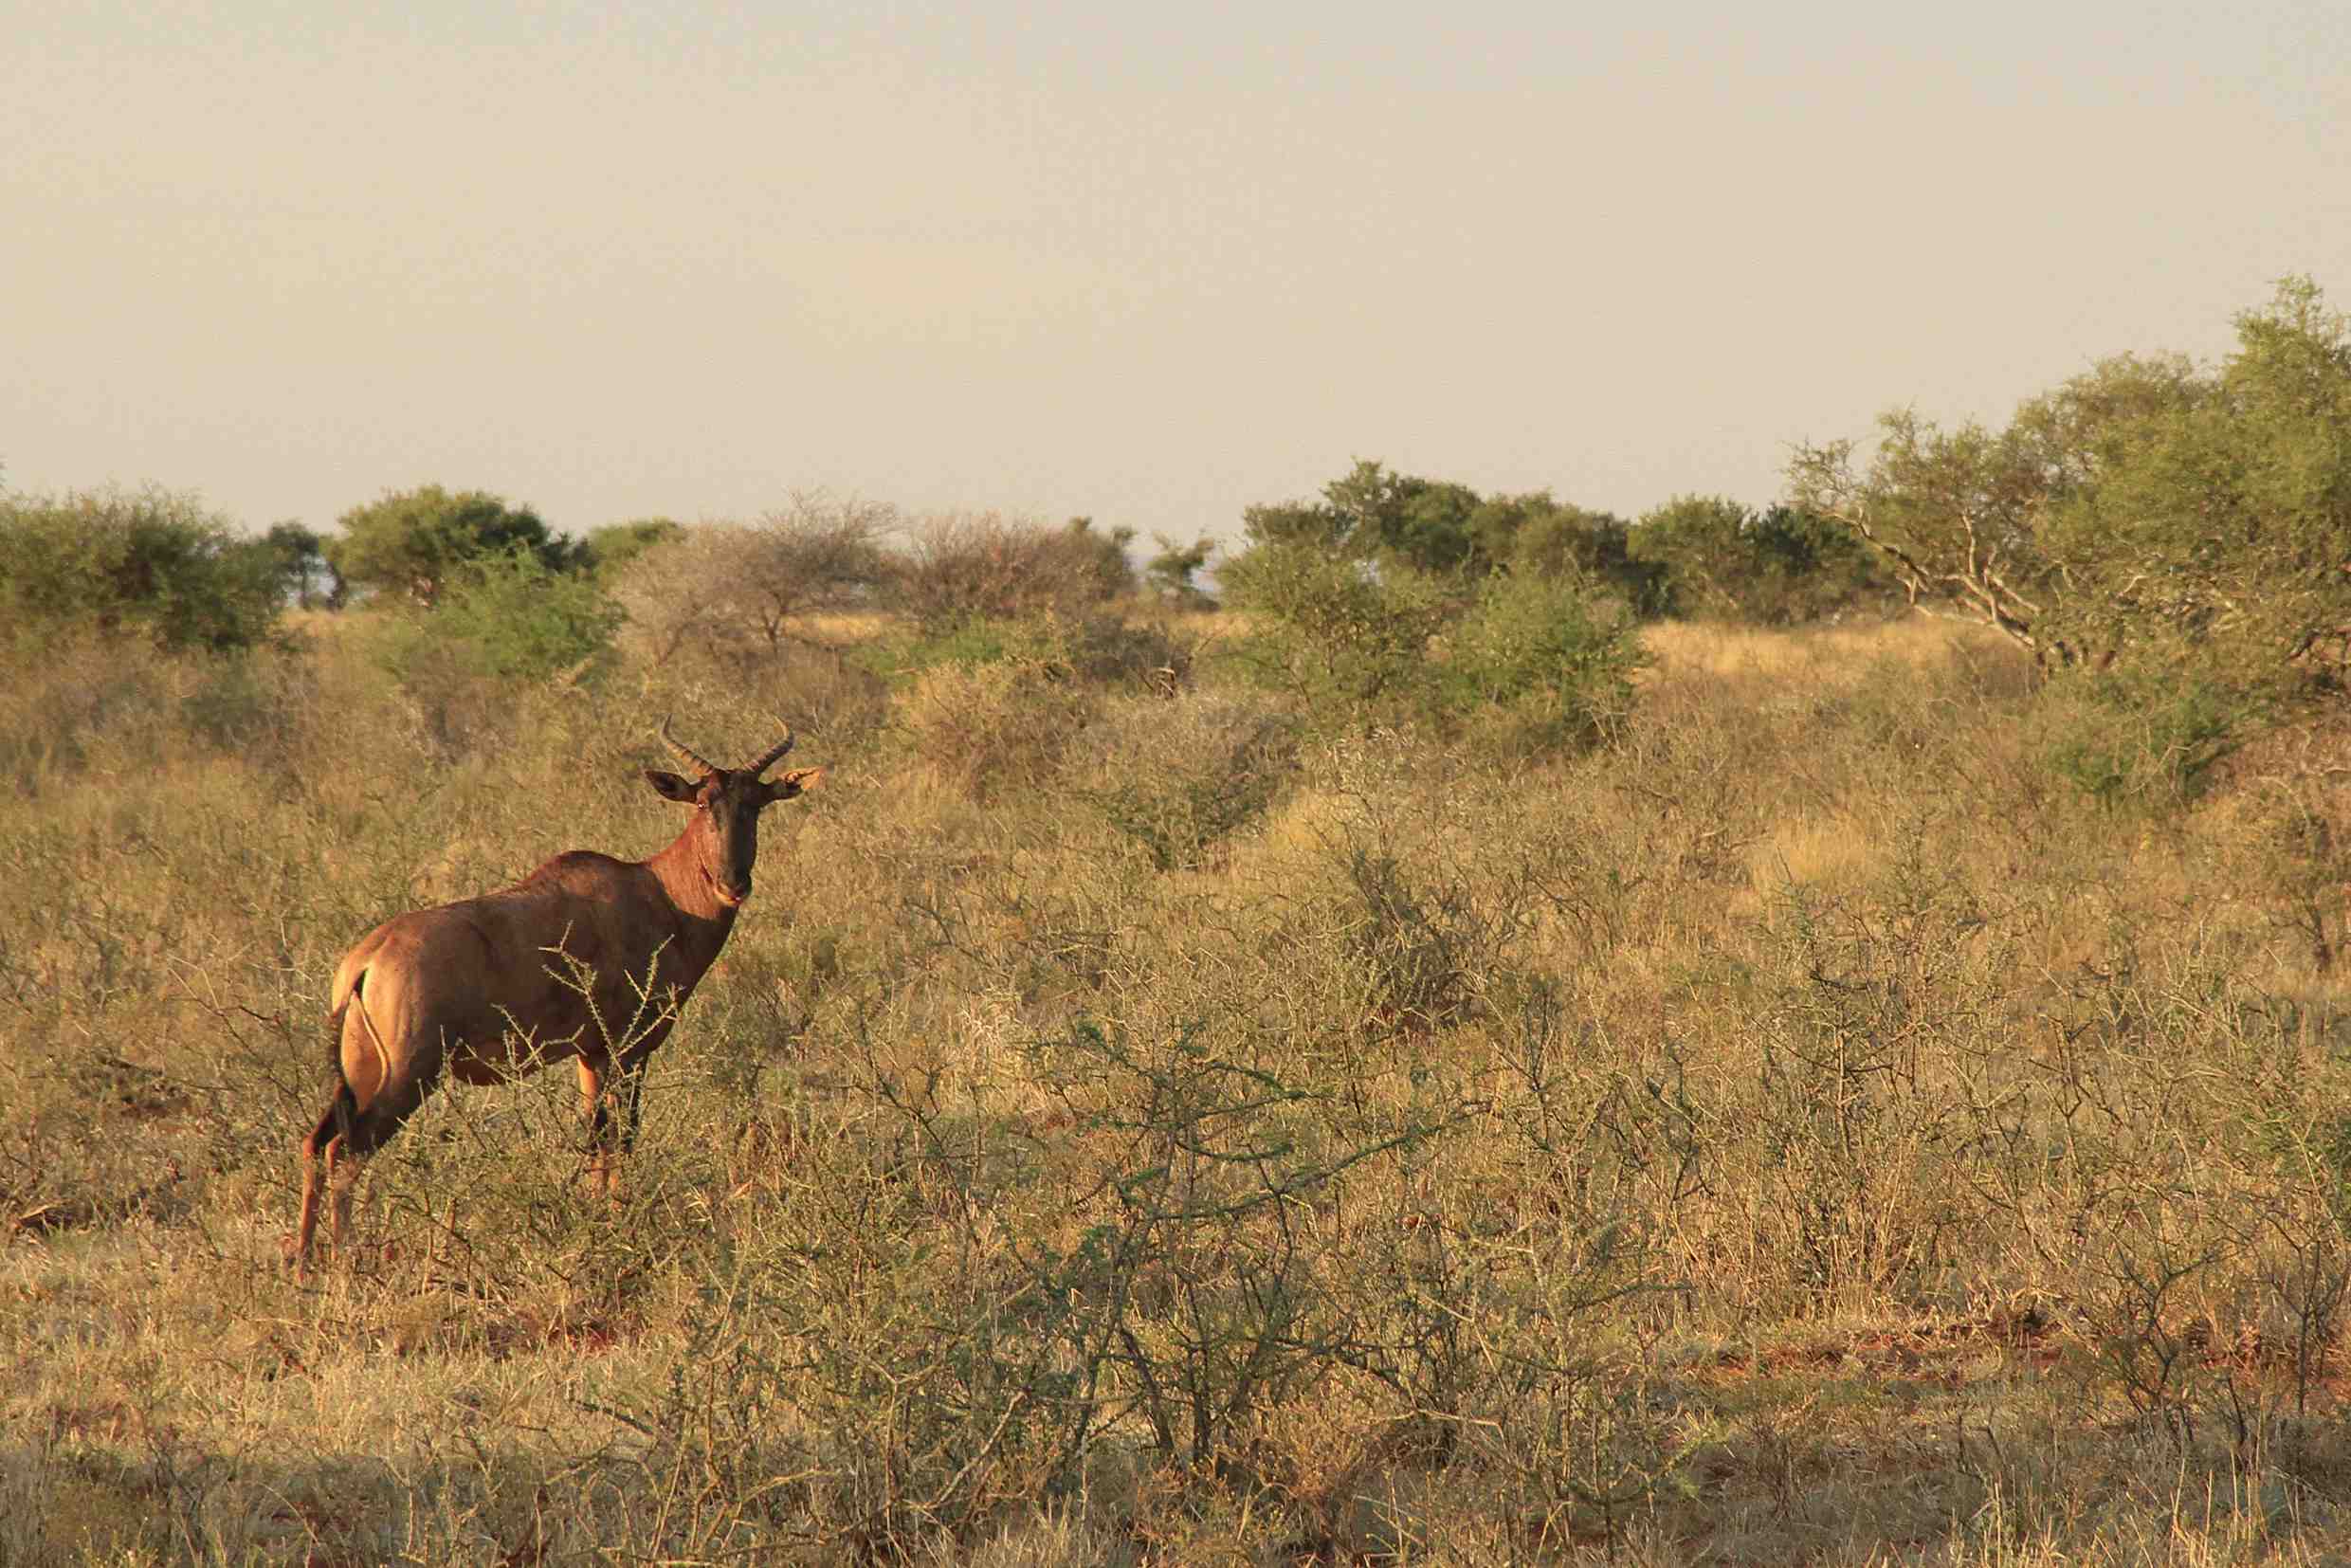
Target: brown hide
{"type": "Point", "coordinates": [494, 981]}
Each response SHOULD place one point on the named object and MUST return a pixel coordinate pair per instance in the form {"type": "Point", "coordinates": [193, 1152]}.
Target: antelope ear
{"type": "Point", "coordinates": [798, 782]}
{"type": "Point", "coordinates": [670, 787]}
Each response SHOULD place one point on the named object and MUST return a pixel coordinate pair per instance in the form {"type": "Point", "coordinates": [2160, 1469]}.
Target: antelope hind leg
{"type": "Point", "coordinates": [323, 1142]}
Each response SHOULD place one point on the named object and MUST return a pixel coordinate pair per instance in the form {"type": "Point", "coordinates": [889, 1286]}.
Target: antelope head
{"type": "Point", "coordinates": [724, 834]}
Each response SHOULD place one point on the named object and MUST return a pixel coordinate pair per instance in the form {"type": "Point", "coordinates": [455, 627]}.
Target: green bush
{"type": "Point", "coordinates": [2130, 735]}
{"type": "Point", "coordinates": [1173, 574]}
{"type": "Point", "coordinates": [146, 563]}
{"type": "Point", "coordinates": [1715, 557]}
{"type": "Point", "coordinates": [2219, 520]}
{"type": "Point", "coordinates": [1547, 659]}
{"type": "Point", "coordinates": [1533, 535]}
{"type": "Point", "coordinates": [609, 549]}
{"type": "Point", "coordinates": [512, 618]}
{"type": "Point", "coordinates": [299, 556]}
{"type": "Point", "coordinates": [1349, 640]}
{"type": "Point", "coordinates": [1550, 658]}
{"type": "Point", "coordinates": [2146, 510]}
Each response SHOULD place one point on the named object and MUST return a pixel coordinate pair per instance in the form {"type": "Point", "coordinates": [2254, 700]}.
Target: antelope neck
{"type": "Point", "coordinates": [679, 869]}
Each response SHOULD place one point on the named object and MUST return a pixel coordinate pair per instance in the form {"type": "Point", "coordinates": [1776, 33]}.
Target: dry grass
{"type": "Point", "coordinates": [1714, 650]}
{"type": "Point", "coordinates": [1805, 1129]}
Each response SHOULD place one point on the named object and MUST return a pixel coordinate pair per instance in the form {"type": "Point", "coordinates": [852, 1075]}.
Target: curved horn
{"type": "Point", "coordinates": [768, 760]}
{"type": "Point", "coordinates": [683, 751]}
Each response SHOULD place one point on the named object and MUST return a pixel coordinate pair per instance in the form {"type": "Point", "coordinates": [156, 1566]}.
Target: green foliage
{"type": "Point", "coordinates": [609, 549]}
{"type": "Point", "coordinates": [1434, 527]}
{"type": "Point", "coordinates": [1109, 571]}
{"type": "Point", "coordinates": [146, 563]}
{"type": "Point", "coordinates": [1173, 574]}
{"type": "Point", "coordinates": [1347, 639]}
{"type": "Point", "coordinates": [1715, 557]}
{"type": "Point", "coordinates": [2147, 511]}
{"type": "Point", "coordinates": [1364, 577]}
{"type": "Point", "coordinates": [299, 553]}
{"type": "Point", "coordinates": [1400, 520]}
{"type": "Point", "coordinates": [510, 617]}
{"type": "Point", "coordinates": [1371, 513]}
{"type": "Point", "coordinates": [1956, 515]}
{"type": "Point", "coordinates": [1353, 595]}
{"type": "Point", "coordinates": [2126, 735]}
{"type": "Point", "coordinates": [2216, 522]}
{"type": "Point", "coordinates": [1548, 656]}
{"type": "Point", "coordinates": [415, 541]}
{"type": "Point", "coordinates": [1545, 659]}
{"type": "Point", "coordinates": [1536, 535]}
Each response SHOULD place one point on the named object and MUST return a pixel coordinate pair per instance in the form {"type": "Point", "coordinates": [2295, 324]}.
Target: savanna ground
{"type": "Point", "coordinates": [1130, 1127]}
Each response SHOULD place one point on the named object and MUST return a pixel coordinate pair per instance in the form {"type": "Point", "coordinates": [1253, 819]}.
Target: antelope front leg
{"type": "Point", "coordinates": [602, 1135]}
{"type": "Point", "coordinates": [627, 1085]}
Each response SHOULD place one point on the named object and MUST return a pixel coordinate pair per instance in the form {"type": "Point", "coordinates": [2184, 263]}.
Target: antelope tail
{"type": "Point", "coordinates": [346, 1098]}
{"type": "Point", "coordinates": [362, 1125]}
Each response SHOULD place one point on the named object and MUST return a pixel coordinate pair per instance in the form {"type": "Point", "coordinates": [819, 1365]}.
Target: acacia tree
{"type": "Point", "coordinates": [2147, 509]}
{"type": "Point", "coordinates": [412, 541]}
{"type": "Point", "coordinates": [1374, 513]}
{"type": "Point", "coordinates": [1955, 514]}
{"type": "Point", "coordinates": [300, 555]}
{"type": "Point", "coordinates": [1338, 631]}
{"type": "Point", "coordinates": [2218, 525]}
{"type": "Point", "coordinates": [736, 587]}
{"type": "Point", "coordinates": [1173, 574]}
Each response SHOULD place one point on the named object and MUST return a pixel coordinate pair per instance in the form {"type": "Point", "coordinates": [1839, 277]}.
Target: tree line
{"type": "Point", "coordinates": [160, 563]}
{"type": "Point", "coordinates": [2151, 519]}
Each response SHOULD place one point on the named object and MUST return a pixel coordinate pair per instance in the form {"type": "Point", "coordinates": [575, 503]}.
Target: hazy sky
{"type": "Point", "coordinates": [1151, 263]}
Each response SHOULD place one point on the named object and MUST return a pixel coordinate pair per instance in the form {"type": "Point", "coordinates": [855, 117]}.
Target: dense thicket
{"type": "Point", "coordinates": [1713, 558]}
{"type": "Point", "coordinates": [149, 563]}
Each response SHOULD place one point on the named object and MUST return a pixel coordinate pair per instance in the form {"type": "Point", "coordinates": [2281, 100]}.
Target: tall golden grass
{"type": "Point", "coordinates": [1125, 1128]}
